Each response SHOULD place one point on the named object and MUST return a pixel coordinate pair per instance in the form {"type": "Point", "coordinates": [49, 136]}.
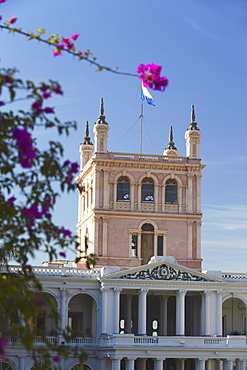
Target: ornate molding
{"type": "Point", "coordinates": [163, 272]}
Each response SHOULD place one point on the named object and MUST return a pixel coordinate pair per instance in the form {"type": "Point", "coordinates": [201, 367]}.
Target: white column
{"type": "Point", "coordinates": [163, 314]}
{"type": "Point", "coordinates": [63, 319]}
{"type": "Point", "coordinates": [180, 312]}
{"type": "Point", "coordinates": [242, 365]}
{"type": "Point", "coordinates": [229, 365]}
{"type": "Point", "coordinates": [102, 364]}
{"type": "Point", "coordinates": [128, 313]}
{"type": "Point", "coordinates": [142, 311]}
{"type": "Point", "coordinates": [104, 293]}
{"type": "Point", "coordinates": [207, 302]}
{"type": "Point", "coordinates": [237, 362]}
{"type": "Point", "coordinates": [201, 364]}
{"type": "Point", "coordinates": [117, 292]}
{"type": "Point", "coordinates": [219, 364]}
{"type": "Point", "coordinates": [115, 364]}
{"type": "Point", "coordinates": [130, 364]}
{"type": "Point", "coordinates": [96, 188]}
{"type": "Point", "coordinates": [21, 363]}
{"type": "Point", "coordinates": [158, 364]}
{"type": "Point", "coordinates": [219, 313]}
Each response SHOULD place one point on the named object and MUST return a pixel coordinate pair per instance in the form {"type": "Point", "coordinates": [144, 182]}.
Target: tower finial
{"type": "Point", "coordinates": [193, 123]}
{"type": "Point", "coordinates": [87, 139]}
{"type": "Point", "coordinates": [171, 144]}
{"type": "Point", "coordinates": [101, 117]}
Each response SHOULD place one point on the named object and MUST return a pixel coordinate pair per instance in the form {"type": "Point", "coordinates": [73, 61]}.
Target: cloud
{"type": "Point", "coordinates": [225, 217]}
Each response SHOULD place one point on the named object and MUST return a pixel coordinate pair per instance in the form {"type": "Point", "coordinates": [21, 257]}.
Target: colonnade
{"type": "Point", "coordinates": [210, 314]}
{"type": "Point", "coordinates": [178, 364]}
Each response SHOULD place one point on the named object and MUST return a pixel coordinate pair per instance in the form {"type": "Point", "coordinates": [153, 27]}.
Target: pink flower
{"type": "Point", "coordinates": [11, 201]}
{"type": "Point", "coordinates": [150, 76]}
{"type": "Point", "coordinates": [31, 212]}
{"type": "Point", "coordinates": [46, 95]}
{"type": "Point", "coordinates": [12, 20]}
{"type": "Point", "coordinates": [79, 53]}
{"type": "Point", "coordinates": [64, 231]}
{"type": "Point", "coordinates": [58, 50]}
{"type": "Point", "coordinates": [1, 16]}
{"type": "Point", "coordinates": [75, 36]}
{"type": "Point", "coordinates": [56, 359]}
{"type": "Point", "coordinates": [8, 78]}
{"type": "Point", "coordinates": [58, 90]}
{"type": "Point", "coordinates": [62, 254]}
{"type": "Point", "coordinates": [36, 107]}
{"type": "Point", "coordinates": [38, 300]}
{"type": "Point", "coordinates": [1, 103]}
{"type": "Point", "coordinates": [48, 110]}
{"type": "Point", "coordinates": [26, 152]}
{"type": "Point", "coordinates": [66, 163]}
{"type": "Point", "coordinates": [2, 1]}
{"type": "Point", "coordinates": [74, 167]}
{"type": "Point", "coordinates": [3, 343]}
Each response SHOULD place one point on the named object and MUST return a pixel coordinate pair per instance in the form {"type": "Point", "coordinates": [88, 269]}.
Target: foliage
{"type": "Point", "coordinates": [29, 187]}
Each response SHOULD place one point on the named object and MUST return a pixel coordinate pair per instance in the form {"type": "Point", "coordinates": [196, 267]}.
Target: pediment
{"type": "Point", "coordinates": [162, 271]}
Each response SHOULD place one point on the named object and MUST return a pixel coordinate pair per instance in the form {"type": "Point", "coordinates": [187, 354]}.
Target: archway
{"type": "Point", "coordinates": [82, 315]}
{"type": "Point", "coordinates": [234, 317]}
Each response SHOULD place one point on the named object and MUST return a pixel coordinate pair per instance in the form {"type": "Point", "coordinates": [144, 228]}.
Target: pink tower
{"type": "Point", "coordinates": [136, 206]}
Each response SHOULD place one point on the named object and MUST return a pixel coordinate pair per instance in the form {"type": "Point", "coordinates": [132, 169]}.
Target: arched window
{"type": "Point", "coordinates": [171, 196]}
{"type": "Point", "coordinates": [147, 243]}
{"type": "Point", "coordinates": [147, 190]}
{"type": "Point", "coordinates": [81, 367]}
{"type": "Point", "coordinates": [123, 189]}
{"type": "Point", "coordinates": [5, 366]}
{"type": "Point", "coordinates": [41, 366]}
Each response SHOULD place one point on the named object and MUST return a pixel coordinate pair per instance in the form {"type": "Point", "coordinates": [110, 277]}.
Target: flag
{"type": "Point", "coordinates": [145, 95]}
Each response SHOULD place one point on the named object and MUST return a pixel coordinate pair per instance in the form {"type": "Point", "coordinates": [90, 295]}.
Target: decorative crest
{"type": "Point", "coordinates": [163, 272]}
{"type": "Point", "coordinates": [87, 139]}
{"type": "Point", "coordinates": [193, 123]}
{"type": "Point", "coordinates": [171, 144]}
{"type": "Point", "coordinates": [101, 117]}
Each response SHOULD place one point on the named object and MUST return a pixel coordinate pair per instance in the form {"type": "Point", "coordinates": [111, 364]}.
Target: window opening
{"type": "Point", "coordinates": [147, 190]}
{"type": "Point", "coordinates": [147, 227]}
{"type": "Point", "coordinates": [160, 245]}
{"type": "Point", "coordinates": [134, 246]}
{"type": "Point", "coordinates": [123, 189]}
{"type": "Point", "coordinates": [171, 192]}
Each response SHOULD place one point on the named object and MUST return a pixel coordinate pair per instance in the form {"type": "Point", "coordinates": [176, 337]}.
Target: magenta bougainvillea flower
{"type": "Point", "coordinates": [64, 231]}
{"type": "Point", "coordinates": [11, 202]}
{"type": "Point", "coordinates": [72, 168]}
{"type": "Point", "coordinates": [3, 343]}
{"type": "Point", "coordinates": [150, 76]}
{"type": "Point", "coordinates": [1, 103]}
{"type": "Point", "coordinates": [56, 359]}
{"type": "Point", "coordinates": [75, 36]}
{"type": "Point", "coordinates": [26, 152]}
{"type": "Point", "coordinates": [38, 300]}
{"type": "Point", "coordinates": [2, 1]}
{"type": "Point", "coordinates": [62, 254]}
{"type": "Point", "coordinates": [12, 20]}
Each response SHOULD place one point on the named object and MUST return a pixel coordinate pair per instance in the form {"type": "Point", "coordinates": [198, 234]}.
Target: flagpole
{"type": "Point", "coordinates": [141, 116]}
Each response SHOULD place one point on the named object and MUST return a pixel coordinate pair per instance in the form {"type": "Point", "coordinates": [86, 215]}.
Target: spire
{"type": "Point", "coordinates": [87, 139]}
{"type": "Point", "coordinates": [171, 144]}
{"type": "Point", "coordinates": [193, 123]}
{"type": "Point", "coordinates": [101, 117]}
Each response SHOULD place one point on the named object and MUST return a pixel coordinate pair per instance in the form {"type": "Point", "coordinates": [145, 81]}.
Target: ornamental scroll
{"type": "Point", "coordinates": [163, 272]}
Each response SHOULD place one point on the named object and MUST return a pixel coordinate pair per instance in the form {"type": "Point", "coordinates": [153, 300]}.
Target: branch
{"type": "Point", "coordinates": [54, 41]}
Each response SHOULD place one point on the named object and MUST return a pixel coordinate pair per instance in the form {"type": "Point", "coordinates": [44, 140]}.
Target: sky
{"type": "Point", "coordinates": [202, 47]}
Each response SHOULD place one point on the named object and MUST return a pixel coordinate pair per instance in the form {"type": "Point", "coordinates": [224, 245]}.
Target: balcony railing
{"type": "Point", "coordinates": [130, 340]}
